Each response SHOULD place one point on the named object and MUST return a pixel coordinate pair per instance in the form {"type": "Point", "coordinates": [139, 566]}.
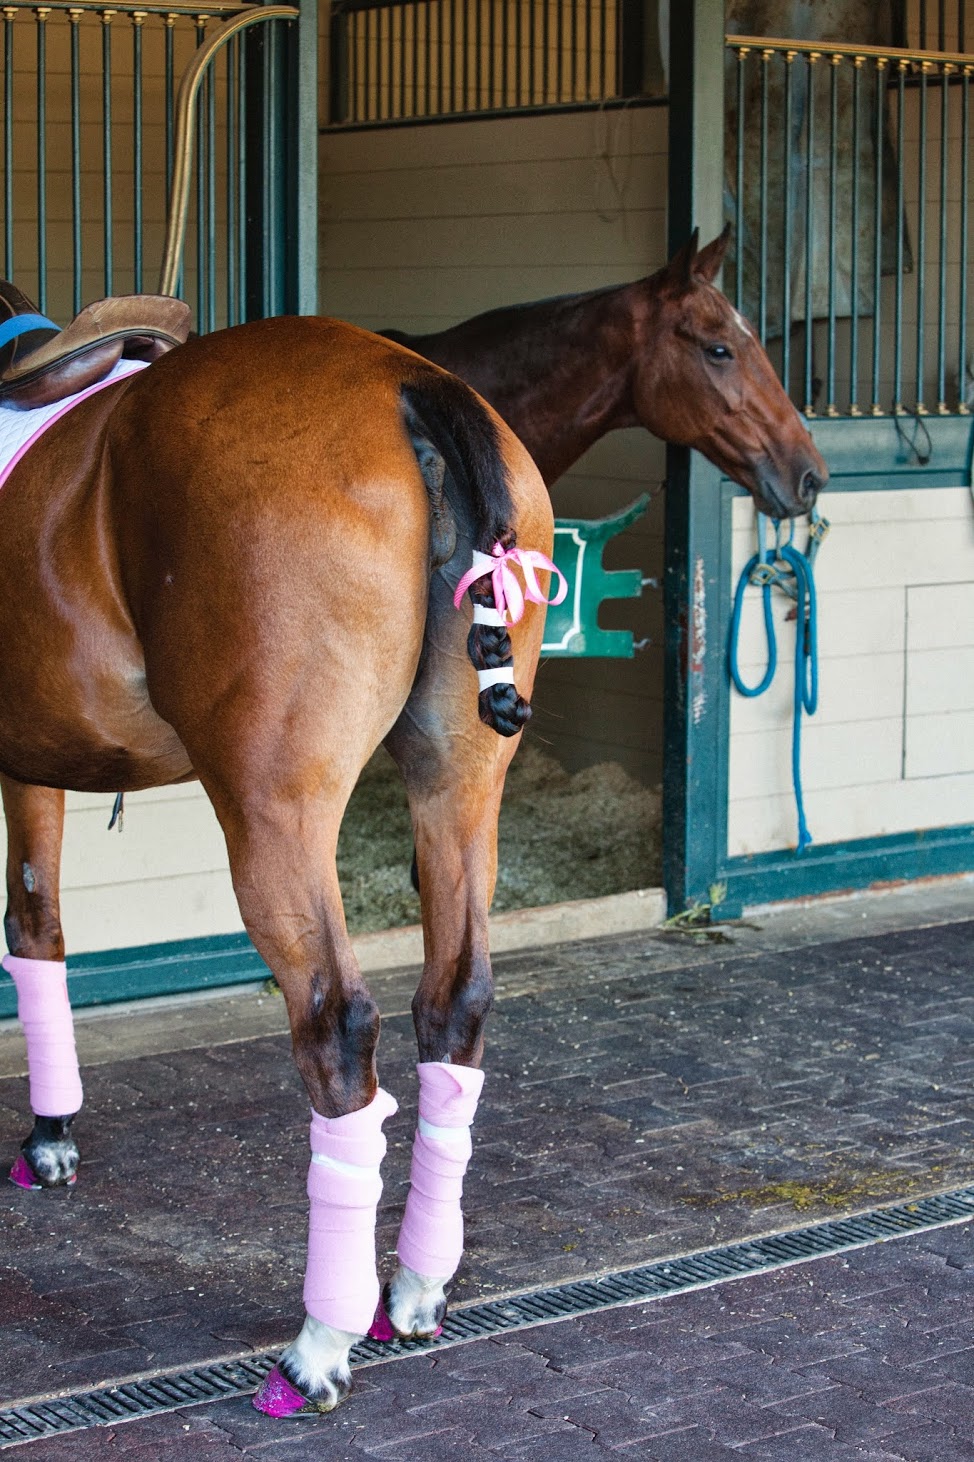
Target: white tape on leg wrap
{"type": "Point", "coordinates": [503, 675]}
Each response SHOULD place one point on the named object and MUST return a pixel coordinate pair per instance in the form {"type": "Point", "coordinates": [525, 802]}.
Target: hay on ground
{"type": "Point", "coordinates": [563, 836]}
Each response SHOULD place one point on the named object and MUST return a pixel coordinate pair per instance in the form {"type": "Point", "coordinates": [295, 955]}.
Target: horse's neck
{"type": "Point", "coordinates": [559, 376]}
{"type": "Point", "coordinates": [586, 390]}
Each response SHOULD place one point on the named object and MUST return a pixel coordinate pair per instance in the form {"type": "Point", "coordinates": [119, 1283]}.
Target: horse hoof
{"type": "Point", "coordinates": [50, 1153]}
{"type": "Point", "coordinates": [23, 1175]}
{"type": "Point", "coordinates": [383, 1330]}
{"type": "Point", "coordinates": [276, 1397]}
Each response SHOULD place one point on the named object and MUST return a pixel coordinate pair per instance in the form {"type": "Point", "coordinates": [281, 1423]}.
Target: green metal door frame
{"type": "Point", "coordinates": [282, 168]}
{"type": "Point", "coordinates": [694, 715]}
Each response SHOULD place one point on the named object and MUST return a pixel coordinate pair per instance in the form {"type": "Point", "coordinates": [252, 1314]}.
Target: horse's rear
{"type": "Point", "coordinates": [249, 577]}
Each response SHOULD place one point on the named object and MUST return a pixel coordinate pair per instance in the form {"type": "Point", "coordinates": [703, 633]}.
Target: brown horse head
{"type": "Point", "coordinates": [704, 380]}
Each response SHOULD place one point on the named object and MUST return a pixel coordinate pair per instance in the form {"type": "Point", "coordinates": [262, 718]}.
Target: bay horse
{"type": "Point", "coordinates": [668, 352]}
{"type": "Point", "coordinates": [243, 564]}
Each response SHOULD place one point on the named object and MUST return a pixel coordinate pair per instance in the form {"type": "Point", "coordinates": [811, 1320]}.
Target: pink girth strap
{"type": "Point", "coordinates": [45, 1014]}
{"type": "Point", "coordinates": [341, 1287]}
{"type": "Point", "coordinates": [431, 1237]}
{"type": "Point", "coordinates": [508, 594]}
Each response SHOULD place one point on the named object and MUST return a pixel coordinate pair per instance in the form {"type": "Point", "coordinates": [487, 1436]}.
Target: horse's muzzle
{"type": "Point", "coordinates": [809, 487]}
{"type": "Point", "coordinates": [790, 493]}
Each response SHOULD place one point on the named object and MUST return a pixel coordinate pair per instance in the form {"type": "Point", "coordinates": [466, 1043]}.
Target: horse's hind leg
{"type": "Point", "coordinates": [455, 827]}
{"type": "Point", "coordinates": [282, 855]}
{"type": "Point", "coordinates": [35, 820]}
{"type": "Point", "coordinates": [454, 769]}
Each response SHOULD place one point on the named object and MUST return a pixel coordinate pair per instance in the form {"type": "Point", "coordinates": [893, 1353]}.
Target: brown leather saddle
{"type": "Point", "coordinates": [41, 364]}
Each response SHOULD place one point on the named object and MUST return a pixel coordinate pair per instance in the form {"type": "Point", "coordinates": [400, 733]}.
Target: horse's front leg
{"type": "Point", "coordinates": [35, 821]}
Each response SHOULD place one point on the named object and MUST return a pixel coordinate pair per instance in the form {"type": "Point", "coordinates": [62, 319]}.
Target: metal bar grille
{"type": "Point", "coordinates": [140, 1397]}
{"type": "Point", "coordinates": [489, 57]}
{"type": "Point", "coordinates": [113, 58]}
{"type": "Point", "coordinates": [8, 141]}
{"type": "Point", "coordinates": [847, 174]}
{"type": "Point", "coordinates": [138, 21]}
{"type": "Point", "coordinates": [941, 26]}
{"type": "Point", "coordinates": [76, 227]}
{"type": "Point", "coordinates": [42, 15]}
{"type": "Point", "coordinates": [107, 170]}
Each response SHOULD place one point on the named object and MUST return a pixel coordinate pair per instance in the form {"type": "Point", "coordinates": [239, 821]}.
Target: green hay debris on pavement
{"type": "Point", "coordinates": [563, 835]}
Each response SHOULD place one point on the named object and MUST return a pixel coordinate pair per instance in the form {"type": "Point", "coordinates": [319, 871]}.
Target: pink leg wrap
{"type": "Point", "coordinates": [341, 1287]}
{"type": "Point", "coordinates": [431, 1237]}
{"type": "Point", "coordinates": [45, 1014]}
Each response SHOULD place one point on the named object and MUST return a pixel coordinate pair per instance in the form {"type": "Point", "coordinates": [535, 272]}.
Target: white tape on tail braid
{"type": "Point", "coordinates": [486, 614]}
{"type": "Point", "coordinates": [503, 675]}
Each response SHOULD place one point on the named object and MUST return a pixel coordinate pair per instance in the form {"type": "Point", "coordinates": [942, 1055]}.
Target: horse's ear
{"type": "Point", "coordinates": [708, 261]}
{"type": "Point", "coordinates": [680, 270]}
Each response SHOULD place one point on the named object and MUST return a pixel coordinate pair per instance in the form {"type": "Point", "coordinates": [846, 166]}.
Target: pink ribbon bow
{"type": "Point", "coordinates": [508, 595]}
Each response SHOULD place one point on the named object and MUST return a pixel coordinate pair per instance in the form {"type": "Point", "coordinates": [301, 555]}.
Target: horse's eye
{"type": "Point", "coordinates": [718, 353]}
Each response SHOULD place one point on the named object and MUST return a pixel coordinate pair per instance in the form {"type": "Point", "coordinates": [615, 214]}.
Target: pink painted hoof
{"type": "Point", "coordinates": [277, 1397]}
{"type": "Point", "coordinates": [381, 1327]}
{"type": "Point", "coordinates": [382, 1330]}
{"type": "Point", "coordinates": [23, 1175]}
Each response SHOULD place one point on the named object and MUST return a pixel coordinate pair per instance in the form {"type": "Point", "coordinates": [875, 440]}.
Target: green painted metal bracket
{"type": "Point", "coordinates": [572, 627]}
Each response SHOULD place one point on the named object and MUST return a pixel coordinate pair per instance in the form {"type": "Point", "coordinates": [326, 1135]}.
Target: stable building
{"type": "Point", "coordinates": [411, 164]}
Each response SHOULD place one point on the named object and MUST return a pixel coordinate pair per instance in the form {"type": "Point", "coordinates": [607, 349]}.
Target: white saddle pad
{"type": "Point", "coordinates": [19, 430]}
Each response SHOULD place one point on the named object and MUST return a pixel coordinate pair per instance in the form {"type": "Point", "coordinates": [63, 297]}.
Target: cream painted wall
{"type": "Point", "coordinates": [424, 226]}
{"type": "Point", "coordinates": [890, 748]}
{"type": "Point", "coordinates": [165, 876]}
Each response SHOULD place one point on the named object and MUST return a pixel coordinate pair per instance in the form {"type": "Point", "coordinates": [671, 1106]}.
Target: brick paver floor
{"type": "Point", "coordinates": [869, 1355]}
{"type": "Point", "coordinates": [641, 1101]}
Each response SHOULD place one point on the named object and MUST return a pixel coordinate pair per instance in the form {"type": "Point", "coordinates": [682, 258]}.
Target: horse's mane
{"type": "Point", "coordinates": [530, 320]}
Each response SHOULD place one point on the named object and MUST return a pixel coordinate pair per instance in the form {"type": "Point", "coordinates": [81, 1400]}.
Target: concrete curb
{"type": "Point", "coordinates": [617, 913]}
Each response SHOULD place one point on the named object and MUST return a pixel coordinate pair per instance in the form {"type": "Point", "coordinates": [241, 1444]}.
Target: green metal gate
{"type": "Point", "coordinates": [94, 142]}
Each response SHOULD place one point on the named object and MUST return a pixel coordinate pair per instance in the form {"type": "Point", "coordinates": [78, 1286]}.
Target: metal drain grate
{"type": "Point", "coordinates": [130, 1400]}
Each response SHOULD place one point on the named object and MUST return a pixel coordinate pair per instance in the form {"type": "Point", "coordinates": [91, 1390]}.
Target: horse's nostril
{"type": "Point", "coordinates": [808, 488]}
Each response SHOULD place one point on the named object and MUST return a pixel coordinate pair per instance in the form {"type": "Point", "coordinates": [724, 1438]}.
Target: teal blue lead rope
{"type": "Point", "coordinates": [782, 566]}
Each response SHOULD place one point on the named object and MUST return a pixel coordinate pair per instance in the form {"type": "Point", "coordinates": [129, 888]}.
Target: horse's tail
{"type": "Point", "coordinates": [447, 414]}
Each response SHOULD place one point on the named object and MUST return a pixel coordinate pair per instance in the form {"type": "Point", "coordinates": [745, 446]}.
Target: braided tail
{"type": "Point", "coordinates": [443, 413]}
{"type": "Point", "coordinates": [489, 647]}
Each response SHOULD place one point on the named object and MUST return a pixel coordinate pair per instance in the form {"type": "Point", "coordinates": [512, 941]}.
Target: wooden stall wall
{"type": "Point", "coordinates": [424, 226]}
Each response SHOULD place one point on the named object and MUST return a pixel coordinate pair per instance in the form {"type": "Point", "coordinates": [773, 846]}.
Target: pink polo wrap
{"type": "Point", "coordinates": [341, 1287]}
{"type": "Point", "coordinates": [45, 1014]}
{"type": "Point", "coordinates": [431, 1237]}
